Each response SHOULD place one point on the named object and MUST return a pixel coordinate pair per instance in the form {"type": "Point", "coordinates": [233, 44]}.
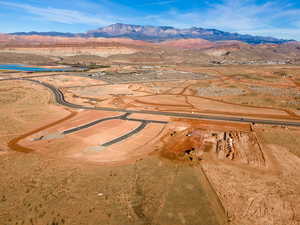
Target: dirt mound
{"type": "Point", "coordinates": [195, 142]}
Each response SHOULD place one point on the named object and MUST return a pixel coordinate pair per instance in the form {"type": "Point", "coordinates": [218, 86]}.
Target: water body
{"type": "Point", "coordinates": [30, 69]}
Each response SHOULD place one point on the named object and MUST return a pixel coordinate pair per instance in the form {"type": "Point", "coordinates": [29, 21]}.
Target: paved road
{"type": "Point", "coordinates": [60, 99]}
{"type": "Point", "coordinates": [85, 126]}
{"type": "Point", "coordinates": [143, 124]}
{"type": "Point", "coordinates": [121, 117]}
{"type": "Point", "coordinates": [121, 138]}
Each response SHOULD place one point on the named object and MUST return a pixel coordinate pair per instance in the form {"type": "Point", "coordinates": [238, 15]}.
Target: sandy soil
{"type": "Point", "coordinates": [25, 107]}
{"type": "Point", "coordinates": [223, 97]}
{"type": "Point", "coordinates": [69, 81]}
{"type": "Point", "coordinates": [82, 140]}
{"type": "Point", "coordinates": [72, 51]}
{"type": "Point", "coordinates": [250, 172]}
{"type": "Point", "coordinates": [81, 118]}
{"type": "Point", "coordinates": [149, 117]}
{"type": "Point", "coordinates": [137, 147]}
{"type": "Point", "coordinates": [42, 190]}
{"type": "Point", "coordinates": [251, 197]}
{"type": "Point", "coordinates": [259, 190]}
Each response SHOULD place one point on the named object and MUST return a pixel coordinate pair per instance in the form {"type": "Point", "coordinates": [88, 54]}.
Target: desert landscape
{"type": "Point", "coordinates": [120, 131]}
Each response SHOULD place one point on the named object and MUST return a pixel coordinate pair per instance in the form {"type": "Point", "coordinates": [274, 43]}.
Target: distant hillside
{"type": "Point", "coordinates": [51, 33]}
{"type": "Point", "coordinates": [188, 43]}
{"type": "Point", "coordinates": [163, 33]}
{"type": "Point", "coordinates": [180, 51]}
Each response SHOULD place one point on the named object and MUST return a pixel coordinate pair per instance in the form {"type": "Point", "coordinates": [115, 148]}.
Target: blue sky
{"type": "Point", "coordinates": [278, 18]}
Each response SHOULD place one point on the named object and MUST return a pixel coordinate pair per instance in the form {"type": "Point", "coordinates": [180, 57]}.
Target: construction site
{"type": "Point", "coordinates": [139, 144]}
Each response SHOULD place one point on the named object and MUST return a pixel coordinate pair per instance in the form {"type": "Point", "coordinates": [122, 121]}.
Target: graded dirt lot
{"type": "Point", "coordinates": [254, 177]}
{"type": "Point", "coordinates": [75, 165]}
{"type": "Point", "coordinates": [185, 97]}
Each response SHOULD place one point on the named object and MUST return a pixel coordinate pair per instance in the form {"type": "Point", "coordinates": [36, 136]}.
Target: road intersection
{"type": "Point", "coordinates": [59, 97]}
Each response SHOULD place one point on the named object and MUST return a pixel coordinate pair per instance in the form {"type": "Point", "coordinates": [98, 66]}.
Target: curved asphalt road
{"type": "Point", "coordinates": [125, 136]}
{"type": "Point", "coordinates": [143, 124]}
{"type": "Point", "coordinates": [60, 99]}
{"type": "Point", "coordinates": [121, 117]}
{"type": "Point", "coordinates": [85, 126]}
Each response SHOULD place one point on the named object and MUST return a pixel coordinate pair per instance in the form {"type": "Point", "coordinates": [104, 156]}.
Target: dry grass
{"type": "Point", "coordinates": [286, 138]}
{"type": "Point", "coordinates": [23, 107]}
{"type": "Point", "coordinates": [253, 99]}
{"type": "Point", "coordinates": [45, 191]}
{"type": "Point", "coordinates": [260, 100]}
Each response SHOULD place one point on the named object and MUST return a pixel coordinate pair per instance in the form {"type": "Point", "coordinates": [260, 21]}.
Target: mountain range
{"type": "Point", "coordinates": [162, 33]}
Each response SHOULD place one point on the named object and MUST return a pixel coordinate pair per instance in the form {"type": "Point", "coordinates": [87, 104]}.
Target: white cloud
{"type": "Point", "coordinates": [165, 2]}
{"type": "Point", "coordinates": [285, 33]}
{"type": "Point", "coordinates": [242, 16]}
{"type": "Point", "coordinates": [59, 15]}
{"type": "Point", "coordinates": [272, 18]}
